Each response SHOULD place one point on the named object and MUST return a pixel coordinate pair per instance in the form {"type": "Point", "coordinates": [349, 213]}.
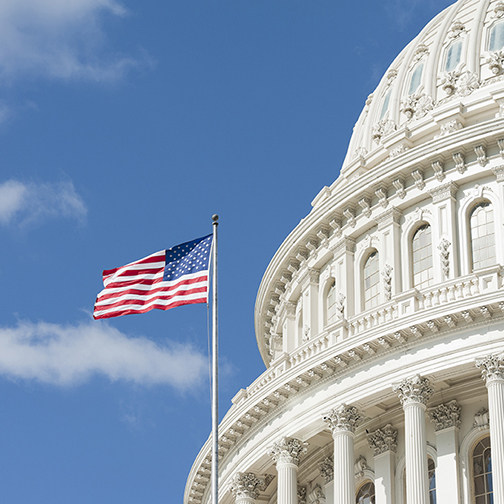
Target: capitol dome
{"type": "Point", "coordinates": [381, 316]}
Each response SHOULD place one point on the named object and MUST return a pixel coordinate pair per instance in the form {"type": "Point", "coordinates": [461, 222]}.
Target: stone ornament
{"type": "Point", "coordinates": [491, 367]}
{"type": "Point", "coordinates": [382, 129]}
{"type": "Point", "coordinates": [387, 281]}
{"type": "Point", "coordinates": [415, 390]}
{"type": "Point", "coordinates": [416, 105]}
{"type": "Point", "coordinates": [288, 451]}
{"type": "Point", "coordinates": [495, 61]}
{"type": "Point", "coordinates": [383, 440]}
{"type": "Point", "coordinates": [248, 485]}
{"type": "Point", "coordinates": [481, 419]}
{"type": "Point", "coordinates": [301, 495]}
{"type": "Point", "coordinates": [360, 466]}
{"type": "Point", "coordinates": [446, 415]}
{"type": "Point", "coordinates": [456, 29]}
{"type": "Point", "coordinates": [316, 496]}
{"type": "Point", "coordinates": [343, 418]}
{"type": "Point", "coordinates": [444, 250]}
{"type": "Point", "coordinates": [326, 468]}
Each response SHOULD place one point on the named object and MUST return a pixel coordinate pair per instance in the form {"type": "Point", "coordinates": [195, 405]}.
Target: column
{"type": "Point", "coordinates": [492, 370]}
{"type": "Point", "coordinates": [414, 394]}
{"type": "Point", "coordinates": [383, 442]}
{"type": "Point", "coordinates": [343, 420]}
{"type": "Point", "coordinates": [245, 487]}
{"type": "Point", "coordinates": [446, 419]}
{"type": "Point", "coordinates": [286, 454]}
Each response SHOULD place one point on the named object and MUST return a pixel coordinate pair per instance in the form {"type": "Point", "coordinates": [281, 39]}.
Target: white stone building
{"type": "Point", "coordinates": [381, 316]}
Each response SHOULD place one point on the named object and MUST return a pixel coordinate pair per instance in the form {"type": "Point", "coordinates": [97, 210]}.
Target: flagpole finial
{"type": "Point", "coordinates": [215, 218]}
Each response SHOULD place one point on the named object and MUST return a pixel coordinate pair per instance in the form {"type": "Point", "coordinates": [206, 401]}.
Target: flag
{"type": "Point", "coordinates": [163, 280]}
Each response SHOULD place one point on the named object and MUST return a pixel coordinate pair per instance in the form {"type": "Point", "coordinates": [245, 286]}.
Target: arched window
{"type": "Point", "coordinates": [482, 236]}
{"type": "Point", "coordinates": [416, 79]}
{"type": "Point", "coordinates": [453, 56]}
{"type": "Point", "coordinates": [423, 271]}
{"type": "Point", "coordinates": [331, 304]}
{"type": "Point", "coordinates": [385, 105]}
{"type": "Point", "coordinates": [496, 42]}
{"type": "Point", "coordinates": [482, 472]}
{"type": "Point", "coordinates": [371, 281]}
{"type": "Point", "coordinates": [432, 481]}
{"type": "Point", "coordinates": [366, 494]}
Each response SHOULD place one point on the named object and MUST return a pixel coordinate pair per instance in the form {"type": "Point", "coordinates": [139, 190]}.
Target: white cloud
{"type": "Point", "coordinates": [59, 39]}
{"type": "Point", "coordinates": [69, 355]}
{"type": "Point", "coordinates": [24, 203]}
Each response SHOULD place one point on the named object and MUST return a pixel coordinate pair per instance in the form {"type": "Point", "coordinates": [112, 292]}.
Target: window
{"type": "Point", "coordinates": [482, 472]}
{"type": "Point", "coordinates": [366, 494]}
{"type": "Point", "coordinates": [423, 271]}
{"type": "Point", "coordinates": [496, 37]}
{"type": "Point", "coordinates": [331, 304]}
{"type": "Point", "coordinates": [385, 105]}
{"type": "Point", "coordinates": [432, 481]}
{"type": "Point", "coordinates": [416, 79]}
{"type": "Point", "coordinates": [371, 281]}
{"type": "Point", "coordinates": [453, 56]}
{"type": "Point", "coordinates": [482, 236]}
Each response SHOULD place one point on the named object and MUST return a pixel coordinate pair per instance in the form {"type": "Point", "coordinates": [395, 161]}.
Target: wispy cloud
{"type": "Point", "coordinates": [403, 12]}
{"type": "Point", "coordinates": [59, 39]}
{"type": "Point", "coordinates": [24, 203]}
{"type": "Point", "coordinates": [72, 354]}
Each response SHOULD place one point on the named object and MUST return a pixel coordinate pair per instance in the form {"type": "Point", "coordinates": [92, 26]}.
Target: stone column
{"type": "Point", "coordinates": [245, 487]}
{"type": "Point", "coordinates": [383, 442]}
{"type": "Point", "coordinates": [286, 454]}
{"type": "Point", "coordinates": [343, 420]}
{"type": "Point", "coordinates": [492, 370]}
{"type": "Point", "coordinates": [446, 419]}
{"type": "Point", "coordinates": [414, 394]}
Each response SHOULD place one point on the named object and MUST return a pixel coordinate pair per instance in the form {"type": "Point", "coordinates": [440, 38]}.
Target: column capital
{"type": "Point", "coordinates": [248, 485]}
{"type": "Point", "coordinates": [414, 390]}
{"type": "Point", "coordinates": [343, 418]}
{"type": "Point", "coordinates": [288, 451]}
{"type": "Point", "coordinates": [491, 367]}
{"type": "Point", "coordinates": [445, 415]}
{"type": "Point", "coordinates": [383, 440]}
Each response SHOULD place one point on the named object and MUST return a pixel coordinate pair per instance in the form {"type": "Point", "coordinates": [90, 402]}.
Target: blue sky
{"type": "Point", "coordinates": [124, 125]}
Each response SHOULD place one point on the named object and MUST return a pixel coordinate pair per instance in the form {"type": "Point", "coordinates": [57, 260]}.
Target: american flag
{"type": "Point", "coordinates": [163, 280]}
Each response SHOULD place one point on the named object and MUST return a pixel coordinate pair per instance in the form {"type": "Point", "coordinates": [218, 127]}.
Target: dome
{"type": "Point", "coordinates": [381, 316]}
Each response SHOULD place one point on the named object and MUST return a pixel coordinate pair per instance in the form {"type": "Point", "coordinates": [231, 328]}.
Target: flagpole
{"type": "Point", "coordinates": [215, 371]}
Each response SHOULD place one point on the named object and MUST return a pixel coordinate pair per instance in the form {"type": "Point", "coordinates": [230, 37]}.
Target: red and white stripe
{"type": "Point", "coordinates": [138, 287]}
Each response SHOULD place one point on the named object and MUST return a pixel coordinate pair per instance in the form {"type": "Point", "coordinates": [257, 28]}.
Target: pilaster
{"type": "Point", "coordinates": [309, 291]}
{"type": "Point", "coordinates": [343, 270]}
{"type": "Point", "coordinates": [383, 442]}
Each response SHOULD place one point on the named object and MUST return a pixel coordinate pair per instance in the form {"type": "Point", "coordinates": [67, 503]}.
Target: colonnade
{"type": "Point", "coordinates": [414, 394]}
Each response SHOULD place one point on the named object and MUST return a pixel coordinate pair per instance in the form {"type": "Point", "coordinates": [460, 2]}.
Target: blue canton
{"type": "Point", "coordinates": [187, 258]}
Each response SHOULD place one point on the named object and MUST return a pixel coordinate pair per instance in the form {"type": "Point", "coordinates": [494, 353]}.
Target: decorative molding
{"type": "Point", "coordinates": [481, 154]}
{"type": "Point", "coordinates": [382, 129]}
{"type": "Point", "coordinates": [459, 159]}
{"type": "Point", "coordinates": [360, 466]}
{"type": "Point", "coordinates": [444, 250]}
{"type": "Point", "coordinates": [391, 216]}
{"type": "Point", "coordinates": [349, 213]}
{"type": "Point", "coordinates": [316, 496]}
{"type": "Point", "coordinates": [366, 206]}
{"type": "Point", "coordinates": [335, 223]}
{"type": "Point", "coordinates": [418, 215]}
{"type": "Point", "coordinates": [456, 29]}
{"type": "Point", "coordinates": [387, 281]}
{"type": "Point", "coordinates": [450, 127]}
{"type": "Point", "coordinates": [444, 191]}
{"type": "Point", "coordinates": [438, 170]}
{"type": "Point", "coordinates": [343, 418]}
{"type": "Point", "coordinates": [498, 171]}
{"type": "Point", "coordinates": [416, 105]}
{"type": "Point", "coordinates": [383, 440]}
{"type": "Point", "coordinates": [491, 367]}
{"type": "Point", "coordinates": [301, 494]}
{"type": "Point", "coordinates": [399, 187]}
{"type": "Point", "coordinates": [344, 245]}
{"type": "Point", "coordinates": [414, 390]}
{"type": "Point", "coordinates": [418, 177]}
{"type": "Point", "coordinates": [445, 416]}
{"type": "Point", "coordinates": [481, 419]}
{"type": "Point", "coordinates": [288, 451]}
{"type": "Point", "coordinates": [326, 468]}
{"type": "Point", "coordinates": [381, 194]}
